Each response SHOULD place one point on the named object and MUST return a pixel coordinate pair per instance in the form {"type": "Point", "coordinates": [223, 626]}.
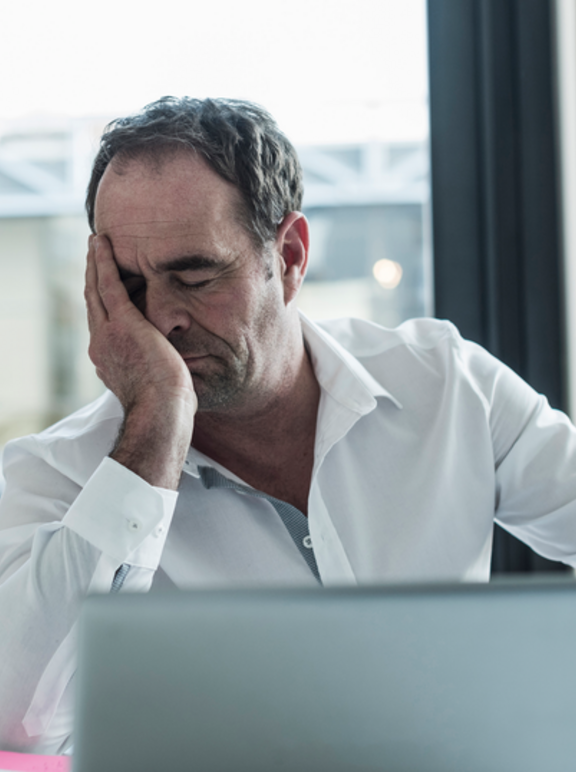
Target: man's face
{"type": "Point", "coordinates": [195, 274]}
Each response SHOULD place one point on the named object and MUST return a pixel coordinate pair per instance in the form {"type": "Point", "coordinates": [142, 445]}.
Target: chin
{"type": "Point", "coordinates": [216, 399]}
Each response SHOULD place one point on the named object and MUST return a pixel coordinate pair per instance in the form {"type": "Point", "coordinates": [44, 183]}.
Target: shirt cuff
{"type": "Point", "coordinates": [122, 515]}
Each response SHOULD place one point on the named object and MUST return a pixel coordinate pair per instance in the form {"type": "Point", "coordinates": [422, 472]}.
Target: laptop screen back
{"type": "Point", "coordinates": [477, 678]}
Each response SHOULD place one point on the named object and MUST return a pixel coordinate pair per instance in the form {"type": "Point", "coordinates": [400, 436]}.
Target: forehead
{"type": "Point", "coordinates": [170, 197]}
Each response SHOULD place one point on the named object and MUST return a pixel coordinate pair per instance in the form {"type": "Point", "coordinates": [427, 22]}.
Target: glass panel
{"type": "Point", "coordinates": [346, 82]}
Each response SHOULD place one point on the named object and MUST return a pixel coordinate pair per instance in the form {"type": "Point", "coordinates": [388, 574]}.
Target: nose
{"type": "Point", "coordinates": [165, 310]}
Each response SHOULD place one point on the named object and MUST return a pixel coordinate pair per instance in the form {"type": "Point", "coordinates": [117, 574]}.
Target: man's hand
{"type": "Point", "coordinates": [144, 371]}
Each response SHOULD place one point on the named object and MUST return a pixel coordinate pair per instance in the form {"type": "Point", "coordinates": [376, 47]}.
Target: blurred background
{"type": "Point", "coordinates": [346, 82]}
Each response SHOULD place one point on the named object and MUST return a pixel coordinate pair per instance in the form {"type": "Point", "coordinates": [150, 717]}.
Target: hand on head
{"type": "Point", "coordinates": [140, 366]}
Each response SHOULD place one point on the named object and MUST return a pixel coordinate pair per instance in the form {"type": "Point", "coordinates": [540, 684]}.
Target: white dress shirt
{"type": "Point", "coordinates": [422, 440]}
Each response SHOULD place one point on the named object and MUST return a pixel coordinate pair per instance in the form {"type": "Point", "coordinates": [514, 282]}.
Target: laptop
{"type": "Point", "coordinates": [456, 678]}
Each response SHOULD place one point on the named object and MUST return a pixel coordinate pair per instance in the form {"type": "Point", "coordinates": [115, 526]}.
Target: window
{"type": "Point", "coordinates": [347, 82]}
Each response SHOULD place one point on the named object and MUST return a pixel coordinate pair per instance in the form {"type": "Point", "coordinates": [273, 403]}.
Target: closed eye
{"type": "Point", "coordinates": [194, 285]}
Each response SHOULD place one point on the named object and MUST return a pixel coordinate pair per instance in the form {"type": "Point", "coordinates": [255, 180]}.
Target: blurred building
{"type": "Point", "coordinates": [368, 210]}
{"type": "Point", "coordinates": [45, 372]}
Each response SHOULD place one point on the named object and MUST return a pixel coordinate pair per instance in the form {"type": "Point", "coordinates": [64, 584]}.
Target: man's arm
{"type": "Point", "coordinates": [145, 372]}
{"type": "Point", "coordinates": [65, 530]}
{"type": "Point", "coordinates": [58, 541]}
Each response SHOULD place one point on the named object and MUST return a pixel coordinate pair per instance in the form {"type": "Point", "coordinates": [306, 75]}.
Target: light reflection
{"type": "Point", "coordinates": [387, 273]}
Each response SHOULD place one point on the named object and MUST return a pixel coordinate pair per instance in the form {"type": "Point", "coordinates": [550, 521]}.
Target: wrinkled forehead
{"type": "Point", "coordinates": [176, 188]}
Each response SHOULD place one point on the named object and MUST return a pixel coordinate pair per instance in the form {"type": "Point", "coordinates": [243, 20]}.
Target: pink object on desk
{"type": "Point", "coordinates": [30, 762]}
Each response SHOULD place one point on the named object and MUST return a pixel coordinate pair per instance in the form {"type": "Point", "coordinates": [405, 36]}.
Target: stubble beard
{"type": "Point", "coordinates": [221, 390]}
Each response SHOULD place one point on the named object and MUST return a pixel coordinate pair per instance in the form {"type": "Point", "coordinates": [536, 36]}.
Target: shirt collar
{"type": "Point", "coordinates": [340, 373]}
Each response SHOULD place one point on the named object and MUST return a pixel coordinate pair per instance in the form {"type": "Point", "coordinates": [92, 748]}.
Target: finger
{"type": "Point", "coordinates": [111, 289]}
{"type": "Point", "coordinates": [96, 311]}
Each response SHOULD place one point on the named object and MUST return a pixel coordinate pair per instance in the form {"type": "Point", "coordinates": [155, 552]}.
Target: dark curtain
{"type": "Point", "coordinates": [495, 203]}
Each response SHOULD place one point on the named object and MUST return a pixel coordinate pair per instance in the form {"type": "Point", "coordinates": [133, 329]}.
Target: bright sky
{"type": "Point", "coordinates": [328, 70]}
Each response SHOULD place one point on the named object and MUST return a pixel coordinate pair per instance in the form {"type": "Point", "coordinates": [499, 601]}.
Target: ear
{"type": "Point", "coordinates": [292, 244]}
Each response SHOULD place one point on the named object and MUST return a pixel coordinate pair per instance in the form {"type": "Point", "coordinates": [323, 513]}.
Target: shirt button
{"type": "Point", "coordinates": [307, 542]}
{"type": "Point", "coordinates": [159, 531]}
{"type": "Point", "coordinates": [133, 525]}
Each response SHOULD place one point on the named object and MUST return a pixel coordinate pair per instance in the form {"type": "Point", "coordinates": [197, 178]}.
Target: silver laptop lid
{"type": "Point", "coordinates": [477, 678]}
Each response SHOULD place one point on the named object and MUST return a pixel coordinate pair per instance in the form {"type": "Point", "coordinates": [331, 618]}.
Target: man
{"type": "Point", "coordinates": [239, 443]}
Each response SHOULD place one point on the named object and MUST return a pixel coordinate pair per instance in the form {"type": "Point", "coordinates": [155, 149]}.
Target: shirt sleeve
{"type": "Point", "coordinates": [60, 541]}
{"type": "Point", "coordinates": [534, 458]}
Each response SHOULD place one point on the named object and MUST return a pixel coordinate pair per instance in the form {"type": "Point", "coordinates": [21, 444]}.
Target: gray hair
{"type": "Point", "coordinates": [238, 139]}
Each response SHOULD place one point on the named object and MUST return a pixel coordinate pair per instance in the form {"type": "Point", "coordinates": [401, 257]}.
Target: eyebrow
{"type": "Point", "coordinates": [191, 263]}
{"type": "Point", "coordinates": [188, 263]}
